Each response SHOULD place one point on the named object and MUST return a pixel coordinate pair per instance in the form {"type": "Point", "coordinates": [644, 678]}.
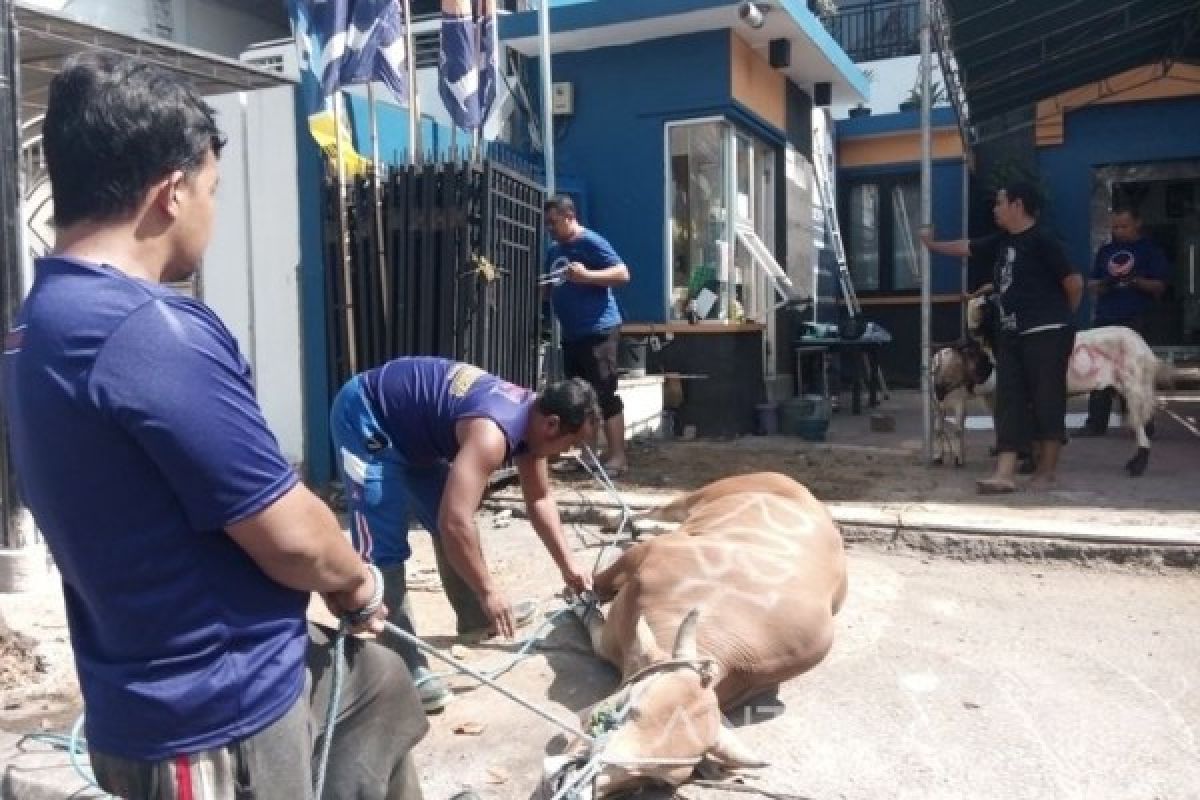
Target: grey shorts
{"type": "Point", "coordinates": [379, 721]}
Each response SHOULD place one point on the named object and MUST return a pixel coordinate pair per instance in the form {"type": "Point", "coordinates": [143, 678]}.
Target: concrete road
{"type": "Point", "coordinates": [948, 679]}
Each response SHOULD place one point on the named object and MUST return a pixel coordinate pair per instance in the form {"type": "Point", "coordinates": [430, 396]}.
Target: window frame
{"type": "Point", "coordinates": [885, 183]}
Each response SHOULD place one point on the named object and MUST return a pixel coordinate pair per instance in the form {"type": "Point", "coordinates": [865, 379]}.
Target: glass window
{"type": "Point", "coordinates": [906, 208]}
{"type": "Point", "coordinates": [862, 241]}
{"type": "Point", "coordinates": [698, 211]}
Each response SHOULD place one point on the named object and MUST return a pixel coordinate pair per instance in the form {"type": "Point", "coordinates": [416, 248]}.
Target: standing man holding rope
{"type": "Point", "coordinates": [187, 545]}
{"type": "Point", "coordinates": [584, 270]}
{"type": "Point", "coordinates": [424, 435]}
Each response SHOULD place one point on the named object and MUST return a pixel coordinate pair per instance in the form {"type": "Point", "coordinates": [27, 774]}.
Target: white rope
{"type": "Point", "coordinates": [484, 679]}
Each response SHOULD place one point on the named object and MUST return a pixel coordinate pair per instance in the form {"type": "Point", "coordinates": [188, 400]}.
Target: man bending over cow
{"type": "Point", "coordinates": [425, 434]}
{"type": "Point", "coordinates": [1038, 294]}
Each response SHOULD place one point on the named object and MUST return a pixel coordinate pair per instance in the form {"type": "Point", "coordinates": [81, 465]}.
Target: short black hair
{"type": "Point", "coordinates": [1132, 211]}
{"type": "Point", "coordinates": [114, 126]}
{"type": "Point", "coordinates": [1027, 193]}
{"type": "Point", "coordinates": [573, 401]}
{"type": "Point", "coordinates": [562, 203]}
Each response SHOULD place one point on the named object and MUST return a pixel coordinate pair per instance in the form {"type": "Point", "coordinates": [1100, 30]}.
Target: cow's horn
{"type": "Point", "coordinates": [685, 640]}
{"type": "Point", "coordinates": [730, 751]}
{"type": "Point", "coordinates": [647, 644]}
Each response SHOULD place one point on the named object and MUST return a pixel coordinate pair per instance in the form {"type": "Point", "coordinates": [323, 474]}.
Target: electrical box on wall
{"type": "Point", "coordinates": [562, 98]}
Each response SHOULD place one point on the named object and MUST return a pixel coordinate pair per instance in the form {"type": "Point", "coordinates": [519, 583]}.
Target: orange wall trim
{"type": "Point", "coordinates": [755, 85]}
{"type": "Point", "coordinates": [1138, 84]}
{"type": "Point", "coordinates": [897, 148]}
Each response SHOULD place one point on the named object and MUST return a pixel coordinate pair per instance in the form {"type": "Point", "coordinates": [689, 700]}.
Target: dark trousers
{"type": "Point", "coordinates": [1100, 402]}
{"type": "Point", "coordinates": [1031, 387]}
{"type": "Point", "coordinates": [378, 723]}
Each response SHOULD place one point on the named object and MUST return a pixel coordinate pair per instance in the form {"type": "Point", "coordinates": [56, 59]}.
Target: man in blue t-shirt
{"type": "Point", "coordinates": [1129, 276]}
{"type": "Point", "coordinates": [424, 435]}
{"type": "Point", "coordinates": [584, 269]}
{"type": "Point", "coordinates": [187, 546]}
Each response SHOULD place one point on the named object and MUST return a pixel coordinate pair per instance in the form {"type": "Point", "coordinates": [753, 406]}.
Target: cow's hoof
{"type": "Point", "coordinates": [1137, 465]}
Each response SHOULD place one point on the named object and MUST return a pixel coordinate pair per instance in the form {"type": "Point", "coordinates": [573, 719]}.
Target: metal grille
{"type": "Point", "coordinates": [877, 29]}
{"type": "Point", "coordinates": [457, 277]}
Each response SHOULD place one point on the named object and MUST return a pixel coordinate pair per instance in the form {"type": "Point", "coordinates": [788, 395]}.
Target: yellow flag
{"type": "Point", "coordinates": [321, 125]}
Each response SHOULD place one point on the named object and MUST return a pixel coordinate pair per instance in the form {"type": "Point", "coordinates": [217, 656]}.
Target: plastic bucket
{"type": "Point", "coordinates": [631, 356]}
{"type": "Point", "coordinates": [806, 417]}
{"type": "Point", "coordinates": [767, 419]}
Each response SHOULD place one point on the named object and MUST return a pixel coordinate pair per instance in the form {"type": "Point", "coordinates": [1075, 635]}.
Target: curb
{"type": "Point", "coordinates": [939, 533]}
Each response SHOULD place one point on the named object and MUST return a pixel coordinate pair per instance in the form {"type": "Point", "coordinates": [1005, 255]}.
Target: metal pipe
{"type": "Point", "coordinates": [377, 173]}
{"type": "Point", "coordinates": [926, 220]}
{"type": "Point", "coordinates": [547, 95]}
{"type": "Point", "coordinates": [17, 530]}
{"type": "Point", "coordinates": [248, 240]}
{"type": "Point", "coordinates": [414, 104]}
{"type": "Point", "coordinates": [343, 248]}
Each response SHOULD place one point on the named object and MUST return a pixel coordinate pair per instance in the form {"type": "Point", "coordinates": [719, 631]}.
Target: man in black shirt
{"type": "Point", "coordinates": [1037, 294]}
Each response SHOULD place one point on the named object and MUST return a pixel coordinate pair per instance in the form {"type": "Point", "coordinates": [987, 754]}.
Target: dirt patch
{"type": "Point", "coordinates": [20, 664]}
{"type": "Point", "coordinates": [830, 473]}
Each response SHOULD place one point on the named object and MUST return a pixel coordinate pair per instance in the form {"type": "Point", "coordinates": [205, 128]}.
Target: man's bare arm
{"type": "Point", "coordinates": [534, 475]}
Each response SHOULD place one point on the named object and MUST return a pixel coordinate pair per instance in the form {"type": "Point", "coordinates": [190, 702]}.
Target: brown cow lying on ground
{"type": "Point", "coordinates": [746, 588]}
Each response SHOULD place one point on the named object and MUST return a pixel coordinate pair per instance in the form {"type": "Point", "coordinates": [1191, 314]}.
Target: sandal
{"type": "Point", "coordinates": [992, 486]}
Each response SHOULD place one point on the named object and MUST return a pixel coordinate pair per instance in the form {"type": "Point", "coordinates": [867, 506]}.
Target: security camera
{"type": "Point", "coordinates": [751, 14]}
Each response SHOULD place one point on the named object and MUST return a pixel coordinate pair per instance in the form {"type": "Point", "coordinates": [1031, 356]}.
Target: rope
{"type": "Point", "coordinates": [335, 696]}
{"type": "Point", "coordinates": [487, 681]}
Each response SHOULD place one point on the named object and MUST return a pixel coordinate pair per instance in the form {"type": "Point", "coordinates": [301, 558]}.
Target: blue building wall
{"type": "Point", "coordinates": [1127, 133]}
{"type": "Point", "coordinates": [615, 143]}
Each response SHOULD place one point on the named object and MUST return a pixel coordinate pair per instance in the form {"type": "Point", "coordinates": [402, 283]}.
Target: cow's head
{"type": "Point", "coordinates": [665, 719]}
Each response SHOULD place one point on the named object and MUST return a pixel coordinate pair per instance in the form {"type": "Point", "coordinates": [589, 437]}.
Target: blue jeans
{"type": "Point", "coordinates": [382, 490]}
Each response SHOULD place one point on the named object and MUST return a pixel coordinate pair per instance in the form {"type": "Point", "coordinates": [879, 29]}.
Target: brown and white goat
{"type": "Point", "coordinates": [1109, 357]}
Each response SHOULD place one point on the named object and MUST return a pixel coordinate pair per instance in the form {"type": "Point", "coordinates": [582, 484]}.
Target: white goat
{"type": "Point", "coordinates": [1110, 357]}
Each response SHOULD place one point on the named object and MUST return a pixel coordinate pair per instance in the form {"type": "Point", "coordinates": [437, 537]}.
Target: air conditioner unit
{"type": "Point", "coordinates": [278, 55]}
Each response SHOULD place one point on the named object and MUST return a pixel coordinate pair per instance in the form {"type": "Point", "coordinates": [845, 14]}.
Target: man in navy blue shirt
{"type": "Point", "coordinates": [1129, 277]}
{"type": "Point", "coordinates": [587, 269]}
{"type": "Point", "coordinates": [424, 435]}
{"type": "Point", "coordinates": [187, 546]}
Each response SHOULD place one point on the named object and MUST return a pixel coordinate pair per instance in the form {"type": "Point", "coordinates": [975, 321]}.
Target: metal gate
{"type": "Point", "coordinates": [456, 276]}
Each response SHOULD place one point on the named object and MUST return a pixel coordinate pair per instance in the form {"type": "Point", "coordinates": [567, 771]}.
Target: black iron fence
{"type": "Point", "coordinates": [877, 29]}
{"type": "Point", "coordinates": [456, 275]}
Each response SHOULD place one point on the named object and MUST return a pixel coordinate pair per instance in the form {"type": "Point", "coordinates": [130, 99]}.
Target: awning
{"type": "Point", "coordinates": [1012, 53]}
{"type": "Point", "coordinates": [46, 39]}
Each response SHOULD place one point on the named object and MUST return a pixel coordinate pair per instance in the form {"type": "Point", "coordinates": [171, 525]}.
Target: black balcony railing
{"type": "Point", "coordinates": [877, 29]}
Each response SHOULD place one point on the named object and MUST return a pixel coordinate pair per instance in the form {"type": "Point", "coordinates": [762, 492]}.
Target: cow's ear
{"type": "Point", "coordinates": [685, 639]}
{"type": "Point", "coordinates": [731, 752]}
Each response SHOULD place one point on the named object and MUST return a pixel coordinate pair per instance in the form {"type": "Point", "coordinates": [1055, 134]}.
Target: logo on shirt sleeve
{"type": "Point", "coordinates": [462, 378]}
{"type": "Point", "coordinates": [511, 392]}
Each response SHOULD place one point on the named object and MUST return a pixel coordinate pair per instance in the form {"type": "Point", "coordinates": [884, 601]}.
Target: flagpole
{"type": "Point", "coordinates": [378, 172]}
{"type": "Point", "coordinates": [547, 94]}
{"type": "Point", "coordinates": [343, 235]}
{"type": "Point", "coordinates": [414, 104]}
{"type": "Point", "coordinates": [554, 367]}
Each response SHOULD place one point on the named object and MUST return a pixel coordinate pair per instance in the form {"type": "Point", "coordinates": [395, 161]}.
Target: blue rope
{"type": "Point", "coordinates": [335, 696]}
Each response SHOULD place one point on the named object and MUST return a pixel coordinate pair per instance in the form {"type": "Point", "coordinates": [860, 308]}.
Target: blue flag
{"type": "Point", "coordinates": [467, 63]}
{"type": "Point", "coordinates": [347, 42]}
